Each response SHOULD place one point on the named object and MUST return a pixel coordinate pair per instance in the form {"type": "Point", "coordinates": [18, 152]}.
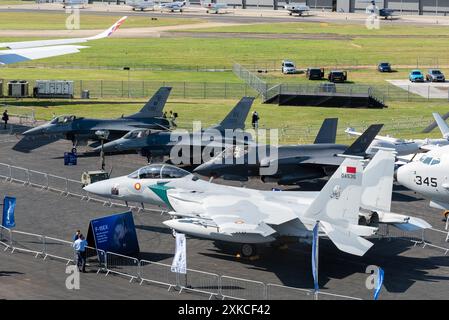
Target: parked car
{"type": "Point", "coordinates": [288, 67]}
{"type": "Point", "coordinates": [435, 75]}
{"type": "Point", "coordinates": [315, 73]}
{"type": "Point", "coordinates": [337, 76]}
{"type": "Point", "coordinates": [384, 67]}
{"type": "Point", "coordinates": [416, 76]}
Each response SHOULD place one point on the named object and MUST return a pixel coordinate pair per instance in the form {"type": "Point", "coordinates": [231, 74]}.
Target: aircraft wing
{"type": "Point", "coordinates": [32, 50]}
{"type": "Point", "coordinates": [238, 211]}
{"type": "Point", "coordinates": [21, 55]}
{"type": "Point", "coordinates": [296, 160]}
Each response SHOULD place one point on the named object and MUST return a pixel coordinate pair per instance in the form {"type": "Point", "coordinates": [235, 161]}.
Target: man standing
{"type": "Point", "coordinates": [255, 120]}
{"type": "Point", "coordinates": [80, 249]}
{"type": "Point", "coordinates": [5, 117]}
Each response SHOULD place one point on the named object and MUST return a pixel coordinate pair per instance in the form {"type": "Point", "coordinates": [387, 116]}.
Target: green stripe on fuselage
{"type": "Point", "coordinates": [161, 191]}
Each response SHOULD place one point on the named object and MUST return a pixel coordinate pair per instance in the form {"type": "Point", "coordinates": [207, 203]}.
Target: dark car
{"type": "Point", "coordinates": [384, 67]}
{"type": "Point", "coordinates": [337, 76]}
{"type": "Point", "coordinates": [315, 73]}
{"type": "Point", "coordinates": [435, 75]}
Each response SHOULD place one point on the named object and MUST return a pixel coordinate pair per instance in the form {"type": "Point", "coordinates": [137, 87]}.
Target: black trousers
{"type": "Point", "coordinates": [81, 260]}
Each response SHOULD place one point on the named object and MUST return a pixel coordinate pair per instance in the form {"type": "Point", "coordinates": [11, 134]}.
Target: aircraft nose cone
{"type": "Point", "coordinates": [204, 169]}
{"type": "Point", "coordinates": [33, 132]}
{"type": "Point", "coordinates": [100, 188]}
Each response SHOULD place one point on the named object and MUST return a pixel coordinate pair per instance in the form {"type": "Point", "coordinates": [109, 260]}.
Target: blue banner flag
{"type": "Point", "coordinates": [9, 207]}
{"type": "Point", "coordinates": [315, 256]}
{"type": "Point", "coordinates": [116, 233]}
{"type": "Point", "coordinates": [379, 281]}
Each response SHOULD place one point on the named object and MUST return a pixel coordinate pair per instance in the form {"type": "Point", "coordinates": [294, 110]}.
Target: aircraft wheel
{"type": "Point", "coordinates": [74, 150]}
{"type": "Point", "coordinates": [207, 11]}
{"type": "Point", "coordinates": [134, 9]}
{"type": "Point", "coordinates": [173, 233]}
{"type": "Point", "coordinates": [180, 10]}
{"type": "Point", "coordinates": [290, 13]}
{"type": "Point", "coordinates": [446, 214]}
{"type": "Point", "coordinates": [248, 250]}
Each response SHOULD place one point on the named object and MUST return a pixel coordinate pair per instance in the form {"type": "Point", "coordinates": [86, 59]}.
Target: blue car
{"type": "Point", "coordinates": [416, 76]}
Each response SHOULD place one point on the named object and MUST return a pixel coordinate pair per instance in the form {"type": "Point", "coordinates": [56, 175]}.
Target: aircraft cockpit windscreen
{"type": "Point", "coordinates": [63, 120]}
{"type": "Point", "coordinates": [137, 134]}
{"type": "Point", "coordinates": [159, 171]}
{"type": "Point", "coordinates": [429, 160]}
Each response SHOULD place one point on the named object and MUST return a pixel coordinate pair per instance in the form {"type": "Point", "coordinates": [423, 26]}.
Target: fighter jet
{"type": "Point", "coordinates": [160, 143]}
{"type": "Point", "coordinates": [32, 50]}
{"type": "Point", "coordinates": [299, 8]}
{"type": "Point", "coordinates": [208, 210]}
{"type": "Point", "coordinates": [251, 217]}
{"type": "Point", "coordinates": [287, 164]}
{"type": "Point", "coordinates": [79, 129]}
{"type": "Point", "coordinates": [406, 147]}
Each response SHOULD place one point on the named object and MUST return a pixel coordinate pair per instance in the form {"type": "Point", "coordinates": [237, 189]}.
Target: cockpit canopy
{"type": "Point", "coordinates": [63, 120]}
{"type": "Point", "coordinates": [159, 171]}
{"type": "Point", "coordinates": [428, 160]}
{"type": "Point", "coordinates": [137, 134]}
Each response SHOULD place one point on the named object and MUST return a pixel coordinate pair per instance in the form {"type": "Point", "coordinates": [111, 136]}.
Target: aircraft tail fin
{"type": "Point", "coordinates": [328, 131]}
{"type": "Point", "coordinates": [442, 125]}
{"type": "Point", "coordinates": [154, 106]}
{"type": "Point", "coordinates": [377, 182]}
{"type": "Point", "coordinates": [337, 208]}
{"type": "Point", "coordinates": [339, 200]}
{"type": "Point", "coordinates": [236, 118]}
{"type": "Point", "coordinates": [359, 146]}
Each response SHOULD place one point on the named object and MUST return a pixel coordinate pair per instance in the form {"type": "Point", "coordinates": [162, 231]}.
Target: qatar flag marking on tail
{"type": "Point", "coordinates": [349, 172]}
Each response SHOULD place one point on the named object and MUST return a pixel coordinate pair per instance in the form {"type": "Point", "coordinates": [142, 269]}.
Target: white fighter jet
{"type": "Point", "coordinates": [32, 50]}
{"type": "Point", "coordinates": [407, 147]}
{"type": "Point", "coordinates": [347, 208]}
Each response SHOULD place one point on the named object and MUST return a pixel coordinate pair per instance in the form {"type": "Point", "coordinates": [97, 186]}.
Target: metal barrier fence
{"type": "Point", "coordinates": [61, 185]}
{"type": "Point", "coordinates": [197, 281]}
{"type": "Point", "coordinates": [5, 237]}
{"type": "Point", "coordinates": [27, 242]}
{"type": "Point", "coordinates": [158, 273]}
{"type": "Point", "coordinates": [200, 281]}
{"type": "Point", "coordinates": [122, 265]}
{"type": "Point", "coordinates": [279, 292]}
{"type": "Point", "coordinates": [242, 289]}
{"type": "Point", "coordinates": [145, 88]}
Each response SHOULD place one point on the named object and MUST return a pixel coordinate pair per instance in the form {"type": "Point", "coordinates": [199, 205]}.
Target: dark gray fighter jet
{"type": "Point", "coordinates": [80, 130]}
{"type": "Point", "coordinates": [287, 164]}
{"type": "Point", "coordinates": [160, 143]}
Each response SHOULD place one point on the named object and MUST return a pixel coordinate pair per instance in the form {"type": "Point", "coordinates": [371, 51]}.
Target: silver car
{"type": "Point", "coordinates": [435, 75]}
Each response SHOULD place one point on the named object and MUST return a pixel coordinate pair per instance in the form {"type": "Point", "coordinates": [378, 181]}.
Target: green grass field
{"type": "Point", "coordinates": [116, 75]}
{"type": "Point", "coordinates": [57, 21]}
{"type": "Point", "coordinates": [219, 53]}
{"type": "Point", "coordinates": [9, 2]}
{"type": "Point", "coordinates": [343, 28]}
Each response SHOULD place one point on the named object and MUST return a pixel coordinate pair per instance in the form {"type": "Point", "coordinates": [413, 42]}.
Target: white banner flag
{"type": "Point", "coordinates": [179, 264]}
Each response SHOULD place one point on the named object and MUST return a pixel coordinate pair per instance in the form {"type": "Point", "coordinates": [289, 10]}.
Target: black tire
{"type": "Point", "coordinates": [248, 250]}
{"type": "Point", "coordinates": [446, 214]}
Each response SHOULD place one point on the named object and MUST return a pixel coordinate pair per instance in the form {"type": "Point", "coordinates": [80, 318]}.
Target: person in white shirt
{"type": "Point", "coordinates": [80, 249]}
